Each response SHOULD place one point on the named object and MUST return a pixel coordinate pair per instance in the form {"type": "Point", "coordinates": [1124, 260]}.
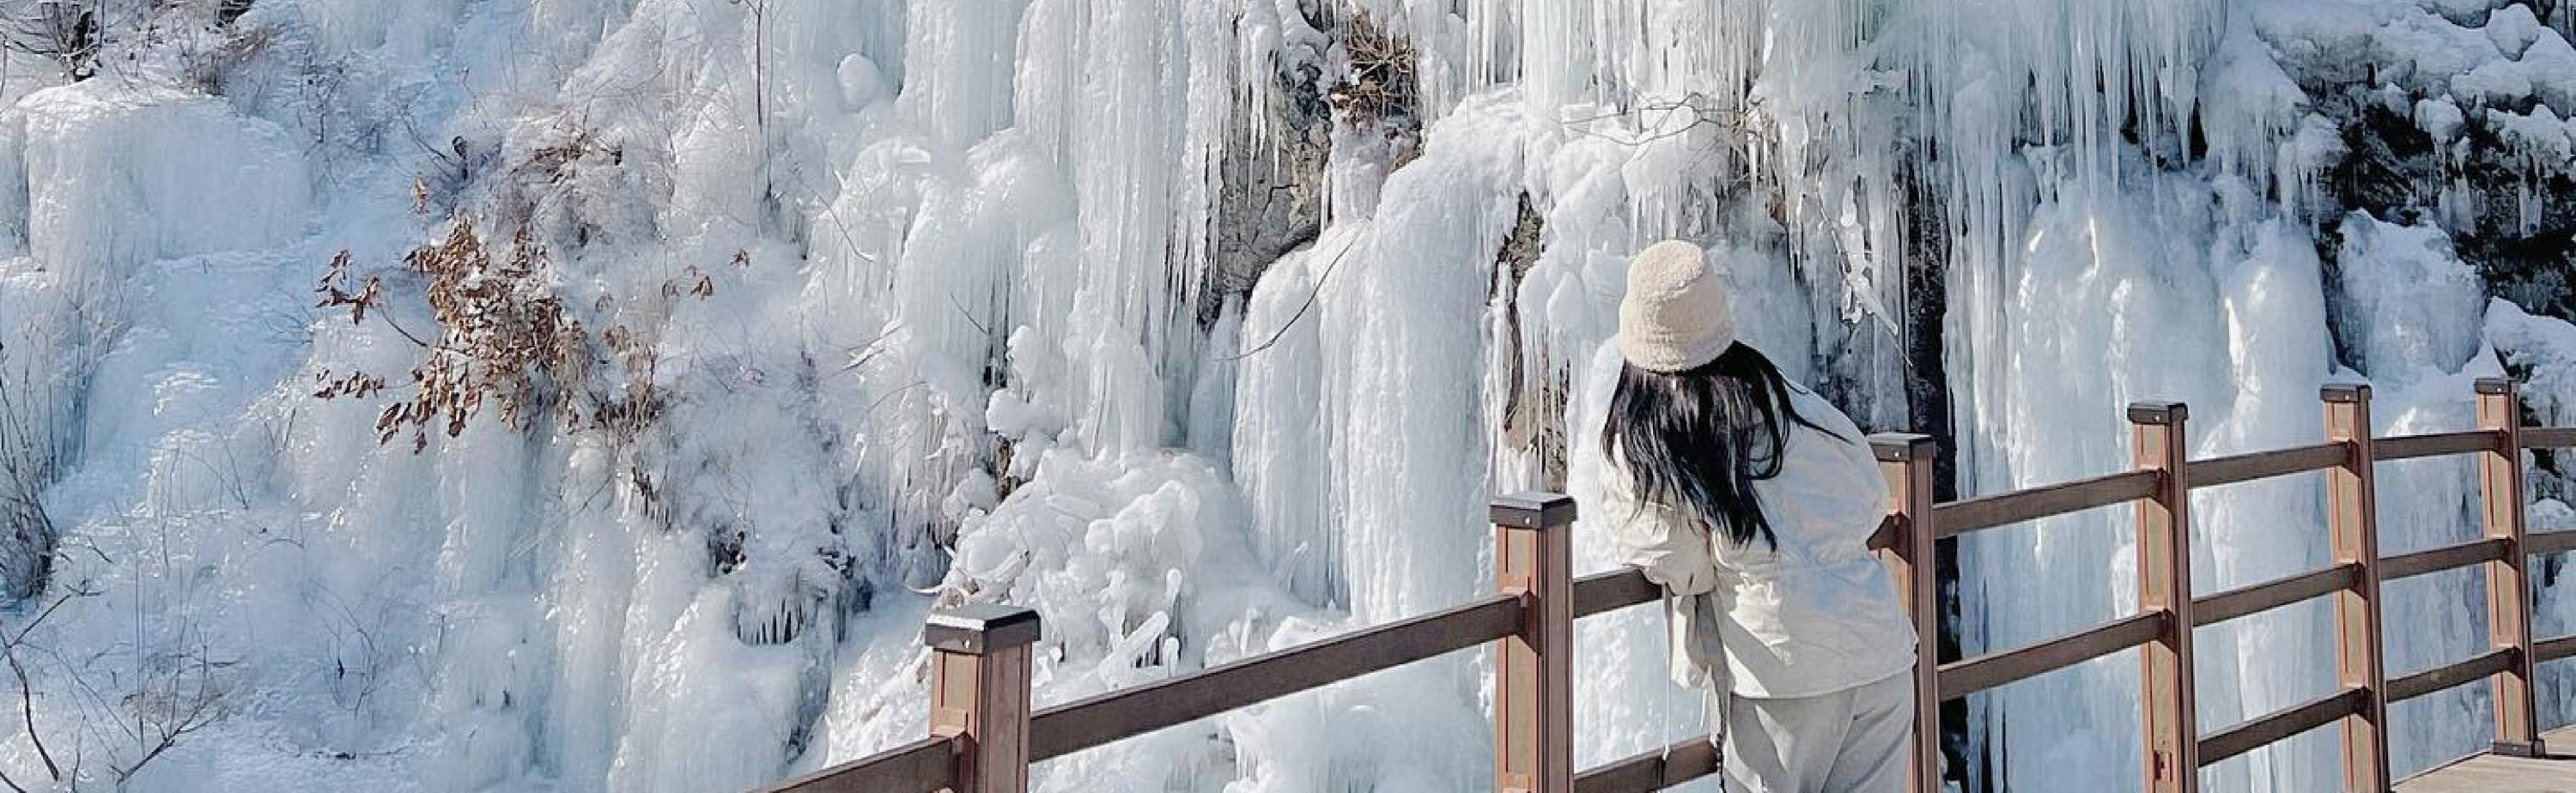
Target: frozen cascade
{"type": "Point", "coordinates": [1206, 328]}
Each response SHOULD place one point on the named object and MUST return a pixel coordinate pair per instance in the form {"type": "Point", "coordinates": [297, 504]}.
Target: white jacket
{"type": "Point", "coordinates": [1817, 615]}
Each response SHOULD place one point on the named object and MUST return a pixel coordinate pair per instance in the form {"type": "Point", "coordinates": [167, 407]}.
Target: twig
{"type": "Point", "coordinates": [968, 315]}
{"type": "Point", "coordinates": [1302, 309]}
{"type": "Point", "coordinates": [1699, 116]}
{"type": "Point", "coordinates": [862, 354]}
{"type": "Point", "coordinates": [66, 597]}
{"type": "Point", "coordinates": [27, 711]}
{"type": "Point", "coordinates": [388, 317]}
{"type": "Point", "coordinates": [872, 406]}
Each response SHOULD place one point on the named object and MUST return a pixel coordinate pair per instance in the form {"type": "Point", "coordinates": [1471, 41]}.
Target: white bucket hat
{"type": "Point", "coordinates": [1675, 315]}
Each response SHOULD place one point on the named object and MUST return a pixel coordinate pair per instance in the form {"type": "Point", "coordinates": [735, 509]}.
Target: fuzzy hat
{"type": "Point", "coordinates": [1675, 315]}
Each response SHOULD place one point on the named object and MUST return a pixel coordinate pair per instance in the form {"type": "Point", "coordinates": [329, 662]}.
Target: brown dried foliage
{"type": "Point", "coordinates": [1380, 86]}
{"type": "Point", "coordinates": [503, 337]}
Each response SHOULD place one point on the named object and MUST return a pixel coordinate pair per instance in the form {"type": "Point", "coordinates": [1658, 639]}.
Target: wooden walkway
{"type": "Point", "coordinates": [985, 733]}
{"type": "Point", "coordinates": [2490, 773]}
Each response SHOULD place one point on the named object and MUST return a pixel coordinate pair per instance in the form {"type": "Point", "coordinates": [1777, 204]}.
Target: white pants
{"type": "Point", "coordinates": [1846, 742]}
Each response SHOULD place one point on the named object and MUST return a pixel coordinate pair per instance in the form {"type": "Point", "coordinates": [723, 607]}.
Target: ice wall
{"type": "Point", "coordinates": [1206, 328]}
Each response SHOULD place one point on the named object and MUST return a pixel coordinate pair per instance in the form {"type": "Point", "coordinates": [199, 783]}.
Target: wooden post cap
{"type": "Point", "coordinates": [1899, 447]}
{"type": "Point", "coordinates": [2495, 386]}
{"type": "Point", "coordinates": [980, 628]}
{"type": "Point", "coordinates": [2344, 393]}
{"type": "Point", "coordinates": [1533, 510]}
{"type": "Point", "coordinates": [2158, 413]}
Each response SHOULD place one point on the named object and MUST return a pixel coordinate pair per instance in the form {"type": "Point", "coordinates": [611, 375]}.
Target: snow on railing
{"type": "Point", "coordinates": [985, 735]}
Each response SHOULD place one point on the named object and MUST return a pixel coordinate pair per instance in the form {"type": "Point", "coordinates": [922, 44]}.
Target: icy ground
{"type": "Point", "coordinates": [462, 395]}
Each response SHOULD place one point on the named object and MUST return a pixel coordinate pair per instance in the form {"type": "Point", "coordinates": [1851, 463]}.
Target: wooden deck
{"type": "Point", "coordinates": [2489, 773]}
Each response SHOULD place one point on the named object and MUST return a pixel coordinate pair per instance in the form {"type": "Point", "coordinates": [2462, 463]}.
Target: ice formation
{"type": "Point", "coordinates": [1204, 327]}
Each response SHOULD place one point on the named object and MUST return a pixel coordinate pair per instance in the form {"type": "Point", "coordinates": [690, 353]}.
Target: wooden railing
{"type": "Point", "coordinates": [985, 735]}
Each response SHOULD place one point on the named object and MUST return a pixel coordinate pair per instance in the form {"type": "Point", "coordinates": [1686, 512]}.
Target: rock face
{"type": "Point", "coordinates": [2512, 217]}
{"type": "Point", "coordinates": [2475, 143]}
{"type": "Point", "coordinates": [1270, 198]}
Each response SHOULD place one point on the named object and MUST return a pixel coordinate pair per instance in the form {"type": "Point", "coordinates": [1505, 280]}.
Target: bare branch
{"type": "Point", "coordinates": [63, 31]}
{"type": "Point", "coordinates": [27, 708]}
{"type": "Point", "coordinates": [1654, 118]}
{"type": "Point", "coordinates": [1301, 309]}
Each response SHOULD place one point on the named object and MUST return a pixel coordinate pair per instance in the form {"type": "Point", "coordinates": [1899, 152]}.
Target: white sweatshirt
{"type": "Point", "coordinates": [1817, 615]}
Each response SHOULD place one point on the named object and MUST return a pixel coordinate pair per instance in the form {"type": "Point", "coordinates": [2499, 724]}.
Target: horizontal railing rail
{"type": "Point", "coordinates": [2448, 557]}
{"type": "Point", "coordinates": [2477, 667]}
{"type": "Point", "coordinates": [2270, 728]}
{"type": "Point", "coordinates": [1992, 670]}
{"type": "Point", "coordinates": [985, 734]}
{"type": "Point", "coordinates": [2553, 649]}
{"type": "Point", "coordinates": [2278, 592]}
{"type": "Point", "coordinates": [2218, 471]}
{"type": "Point", "coordinates": [1961, 517]}
{"type": "Point", "coordinates": [2545, 543]}
{"type": "Point", "coordinates": [924, 766]}
{"type": "Point", "coordinates": [2549, 437]}
{"type": "Point", "coordinates": [1082, 724]}
{"type": "Point", "coordinates": [1653, 769]}
{"type": "Point", "coordinates": [1610, 591]}
{"type": "Point", "coordinates": [2408, 447]}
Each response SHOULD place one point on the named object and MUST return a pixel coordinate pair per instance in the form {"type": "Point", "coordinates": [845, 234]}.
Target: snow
{"type": "Point", "coordinates": [2542, 347]}
{"type": "Point", "coordinates": [2440, 118]}
{"type": "Point", "coordinates": [884, 305]}
{"type": "Point", "coordinates": [114, 179]}
{"type": "Point", "coordinates": [2416, 304]}
{"type": "Point", "coordinates": [2551, 62]}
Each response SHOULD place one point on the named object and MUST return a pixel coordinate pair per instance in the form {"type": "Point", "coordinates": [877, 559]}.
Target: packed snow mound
{"type": "Point", "coordinates": [102, 177]}
{"type": "Point", "coordinates": [2416, 306]}
{"type": "Point", "coordinates": [2541, 351]}
{"type": "Point", "coordinates": [596, 394]}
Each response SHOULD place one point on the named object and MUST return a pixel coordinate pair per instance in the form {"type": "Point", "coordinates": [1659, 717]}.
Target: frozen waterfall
{"type": "Point", "coordinates": [674, 357]}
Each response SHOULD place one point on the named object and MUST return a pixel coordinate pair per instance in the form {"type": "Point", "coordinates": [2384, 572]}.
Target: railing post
{"type": "Point", "coordinates": [979, 692]}
{"type": "Point", "coordinates": [1907, 461]}
{"type": "Point", "coordinates": [1534, 670]}
{"type": "Point", "coordinates": [2164, 585]}
{"type": "Point", "coordinates": [2352, 513]}
{"type": "Point", "coordinates": [2508, 593]}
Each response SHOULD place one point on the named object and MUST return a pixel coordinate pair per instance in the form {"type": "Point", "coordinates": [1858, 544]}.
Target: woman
{"type": "Point", "coordinates": [1751, 500]}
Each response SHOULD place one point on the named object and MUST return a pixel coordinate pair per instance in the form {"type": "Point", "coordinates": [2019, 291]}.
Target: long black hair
{"type": "Point", "coordinates": [1698, 439]}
